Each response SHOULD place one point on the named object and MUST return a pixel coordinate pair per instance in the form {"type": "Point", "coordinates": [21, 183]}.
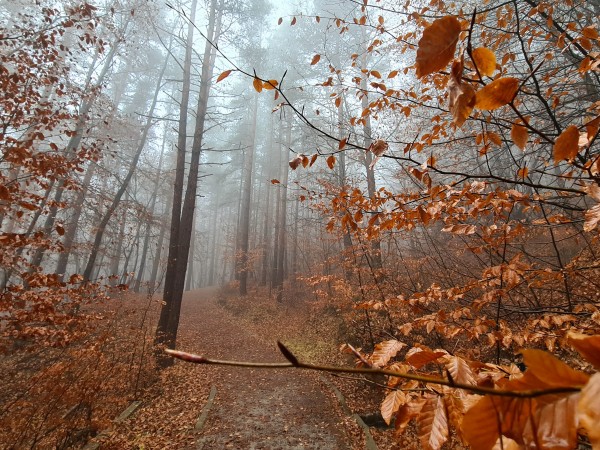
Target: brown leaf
{"type": "Point", "coordinates": [566, 146]}
{"type": "Point", "coordinates": [592, 127]}
{"type": "Point", "coordinates": [392, 402]}
{"type": "Point", "coordinates": [492, 417]}
{"type": "Point", "coordinates": [461, 96]}
{"type": "Point", "coordinates": [494, 138]}
{"type": "Point", "coordinates": [275, 181]}
{"type": "Point", "coordinates": [498, 93]}
{"type": "Point", "coordinates": [330, 161]}
{"type": "Point", "coordinates": [592, 218]}
{"type": "Point", "coordinates": [294, 163]}
{"type": "Point", "coordinates": [407, 412]}
{"type": "Point", "coordinates": [315, 59]}
{"type": "Point", "coordinates": [460, 371]}
{"type": "Point", "coordinates": [587, 346]}
{"type": "Point", "coordinates": [552, 371]}
{"type": "Point", "coordinates": [436, 47]}
{"type": "Point", "coordinates": [270, 85]}
{"type": "Point", "coordinates": [556, 424]}
{"type": "Point", "coordinates": [384, 351]}
{"type": "Point", "coordinates": [223, 75]}
{"type": "Point", "coordinates": [258, 85]}
{"type": "Point", "coordinates": [433, 423]}
{"type": "Point", "coordinates": [485, 60]}
{"type": "Point", "coordinates": [342, 144]}
{"type": "Point", "coordinates": [519, 135]}
{"type": "Point", "coordinates": [378, 147]}
{"type": "Point", "coordinates": [588, 410]}
{"type": "Point", "coordinates": [280, 21]}
{"type": "Point", "coordinates": [418, 357]}
{"type": "Point", "coordinates": [305, 161]}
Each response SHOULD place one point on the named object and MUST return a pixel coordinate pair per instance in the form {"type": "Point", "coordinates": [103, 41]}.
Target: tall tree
{"type": "Point", "coordinates": [166, 332]}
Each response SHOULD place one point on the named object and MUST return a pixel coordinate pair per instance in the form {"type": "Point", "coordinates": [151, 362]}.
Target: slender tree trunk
{"type": "Point", "coordinates": [282, 219]}
{"type": "Point", "coordinates": [117, 248]}
{"type": "Point", "coordinates": [75, 142]}
{"type": "Point", "coordinates": [267, 222]}
{"type": "Point", "coordinates": [215, 237]}
{"type": "Point", "coordinates": [166, 332]}
{"type": "Point", "coordinates": [113, 206]}
{"type": "Point", "coordinates": [71, 229]}
{"type": "Point", "coordinates": [371, 186]}
{"type": "Point", "coordinates": [174, 243]}
{"type": "Point", "coordinates": [140, 273]}
{"type": "Point", "coordinates": [190, 269]}
{"type": "Point", "coordinates": [159, 248]}
{"type": "Point", "coordinates": [246, 199]}
{"type": "Point", "coordinates": [135, 245]}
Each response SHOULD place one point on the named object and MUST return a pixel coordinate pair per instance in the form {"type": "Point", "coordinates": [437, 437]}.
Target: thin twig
{"type": "Point", "coordinates": [295, 363]}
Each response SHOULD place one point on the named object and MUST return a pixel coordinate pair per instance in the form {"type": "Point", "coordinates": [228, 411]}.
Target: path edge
{"type": "Point", "coordinates": [370, 443]}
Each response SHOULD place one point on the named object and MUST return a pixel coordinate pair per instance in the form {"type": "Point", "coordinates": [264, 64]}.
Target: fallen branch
{"type": "Point", "coordinates": [295, 363]}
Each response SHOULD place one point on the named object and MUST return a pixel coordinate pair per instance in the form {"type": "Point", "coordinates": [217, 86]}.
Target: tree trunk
{"type": "Point", "coordinates": [71, 229]}
{"type": "Point", "coordinates": [152, 283]}
{"type": "Point", "coordinates": [371, 186]}
{"type": "Point", "coordinates": [282, 219]}
{"type": "Point", "coordinates": [246, 199]}
{"type": "Point", "coordinates": [115, 203]}
{"type": "Point", "coordinates": [166, 332]}
{"type": "Point", "coordinates": [140, 272]}
{"type": "Point", "coordinates": [74, 143]}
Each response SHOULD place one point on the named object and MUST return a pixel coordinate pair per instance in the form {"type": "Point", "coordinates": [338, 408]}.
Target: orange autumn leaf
{"type": "Point", "coordinates": [461, 96]}
{"type": "Point", "coordinates": [384, 351]}
{"type": "Point", "coordinates": [433, 423]}
{"type": "Point", "coordinates": [223, 75]}
{"type": "Point", "coordinates": [392, 402]}
{"type": "Point", "coordinates": [494, 138]}
{"type": "Point", "coordinates": [519, 135]}
{"type": "Point", "coordinates": [523, 172]}
{"type": "Point", "coordinates": [315, 59]}
{"type": "Point", "coordinates": [566, 146]}
{"type": "Point", "coordinates": [485, 60]}
{"type": "Point", "coordinates": [588, 410]}
{"type": "Point", "coordinates": [270, 85]}
{"type": "Point", "coordinates": [498, 93]}
{"type": "Point", "coordinates": [592, 218]}
{"type": "Point", "coordinates": [294, 163]}
{"type": "Point", "coordinates": [330, 161]}
{"type": "Point", "coordinates": [460, 371]}
{"type": "Point", "coordinates": [551, 370]}
{"type": "Point", "coordinates": [587, 346]}
{"type": "Point", "coordinates": [258, 85]}
{"type": "Point", "coordinates": [436, 47]}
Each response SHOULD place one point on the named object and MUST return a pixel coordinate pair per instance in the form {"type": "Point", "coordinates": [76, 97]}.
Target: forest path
{"type": "Point", "coordinates": [253, 408]}
{"type": "Point", "coordinates": [256, 408]}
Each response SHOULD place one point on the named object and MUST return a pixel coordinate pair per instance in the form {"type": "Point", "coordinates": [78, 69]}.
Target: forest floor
{"type": "Point", "coordinates": [253, 408]}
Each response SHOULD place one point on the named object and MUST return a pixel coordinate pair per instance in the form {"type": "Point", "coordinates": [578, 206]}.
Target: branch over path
{"type": "Point", "coordinates": [253, 408]}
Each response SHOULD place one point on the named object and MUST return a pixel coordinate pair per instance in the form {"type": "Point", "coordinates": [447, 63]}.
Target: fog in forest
{"type": "Point", "coordinates": [400, 176]}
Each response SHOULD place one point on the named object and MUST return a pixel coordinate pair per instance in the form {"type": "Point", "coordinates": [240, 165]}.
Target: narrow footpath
{"type": "Point", "coordinates": [251, 409]}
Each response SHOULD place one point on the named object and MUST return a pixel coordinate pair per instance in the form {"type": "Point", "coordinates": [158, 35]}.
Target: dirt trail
{"type": "Point", "coordinates": [256, 408]}
{"type": "Point", "coordinates": [253, 408]}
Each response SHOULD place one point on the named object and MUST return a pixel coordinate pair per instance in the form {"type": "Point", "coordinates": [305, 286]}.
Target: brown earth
{"type": "Point", "coordinates": [253, 408]}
